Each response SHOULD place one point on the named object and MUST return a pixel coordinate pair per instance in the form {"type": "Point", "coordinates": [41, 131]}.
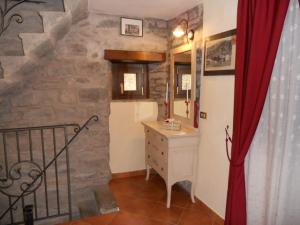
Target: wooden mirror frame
{"type": "Point", "coordinates": [180, 49]}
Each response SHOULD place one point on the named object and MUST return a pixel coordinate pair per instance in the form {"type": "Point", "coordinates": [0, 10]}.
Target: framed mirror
{"type": "Point", "coordinates": [182, 90]}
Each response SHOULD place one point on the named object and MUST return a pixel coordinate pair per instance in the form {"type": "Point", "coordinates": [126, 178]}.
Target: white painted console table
{"type": "Point", "coordinates": [172, 154]}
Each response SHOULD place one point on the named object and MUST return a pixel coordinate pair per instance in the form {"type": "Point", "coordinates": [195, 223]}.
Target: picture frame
{"type": "Point", "coordinates": [131, 27]}
{"type": "Point", "coordinates": [220, 54]}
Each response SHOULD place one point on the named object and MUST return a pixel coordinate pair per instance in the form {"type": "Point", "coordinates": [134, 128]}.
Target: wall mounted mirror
{"type": "Point", "coordinates": [182, 84]}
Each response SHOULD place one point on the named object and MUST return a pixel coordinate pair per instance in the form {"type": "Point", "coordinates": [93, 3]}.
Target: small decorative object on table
{"type": "Point", "coordinates": [172, 124]}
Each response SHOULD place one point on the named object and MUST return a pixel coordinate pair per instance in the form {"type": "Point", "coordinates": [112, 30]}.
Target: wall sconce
{"type": "Point", "coordinates": [182, 29]}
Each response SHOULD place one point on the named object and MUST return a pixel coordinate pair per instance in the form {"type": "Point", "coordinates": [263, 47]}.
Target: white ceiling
{"type": "Point", "coordinates": [160, 9]}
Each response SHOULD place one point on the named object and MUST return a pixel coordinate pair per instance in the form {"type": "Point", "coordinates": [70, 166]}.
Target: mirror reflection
{"type": "Point", "coordinates": [182, 84]}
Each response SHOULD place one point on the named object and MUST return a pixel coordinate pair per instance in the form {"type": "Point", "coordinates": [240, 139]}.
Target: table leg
{"type": "Point", "coordinates": [193, 192]}
{"type": "Point", "coordinates": [169, 191]}
{"type": "Point", "coordinates": [148, 172]}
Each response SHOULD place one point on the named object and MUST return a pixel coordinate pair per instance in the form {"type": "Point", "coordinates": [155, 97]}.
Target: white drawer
{"type": "Point", "coordinates": [159, 166]}
{"type": "Point", "coordinates": [156, 139]}
{"type": "Point", "coordinates": [160, 154]}
{"type": "Point", "coordinates": [171, 154]}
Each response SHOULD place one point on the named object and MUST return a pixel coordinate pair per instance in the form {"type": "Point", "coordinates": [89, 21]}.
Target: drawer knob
{"type": "Point", "coordinates": [148, 156]}
{"type": "Point", "coordinates": [162, 153]}
{"type": "Point", "coordinates": [162, 169]}
{"type": "Point", "coordinates": [162, 139]}
{"type": "Point", "coordinates": [147, 131]}
{"type": "Point", "coordinates": [148, 142]}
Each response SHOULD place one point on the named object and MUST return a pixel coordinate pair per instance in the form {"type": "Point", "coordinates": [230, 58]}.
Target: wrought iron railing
{"type": "Point", "coordinates": [25, 171]}
{"type": "Point", "coordinates": [5, 9]}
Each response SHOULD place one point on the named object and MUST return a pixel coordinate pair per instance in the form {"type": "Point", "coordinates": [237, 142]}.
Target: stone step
{"type": "Point", "coordinates": [32, 23]}
{"type": "Point", "coordinates": [48, 5]}
{"type": "Point", "coordinates": [11, 46]}
{"type": "Point", "coordinates": [10, 43]}
{"type": "Point", "coordinates": [12, 64]}
{"type": "Point", "coordinates": [8, 85]}
{"type": "Point", "coordinates": [77, 8]}
{"type": "Point", "coordinates": [56, 24]}
{"type": "Point", "coordinates": [36, 44]}
{"type": "Point", "coordinates": [105, 200]}
{"type": "Point", "coordinates": [88, 208]}
{"type": "Point", "coordinates": [22, 52]}
{"type": "Point", "coordinates": [98, 201]}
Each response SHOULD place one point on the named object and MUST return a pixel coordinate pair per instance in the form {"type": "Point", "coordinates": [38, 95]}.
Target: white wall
{"type": "Point", "coordinates": [217, 94]}
{"type": "Point", "coordinates": [127, 139]}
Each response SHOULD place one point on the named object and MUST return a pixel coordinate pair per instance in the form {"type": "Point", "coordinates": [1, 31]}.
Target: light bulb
{"type": "Point", "coordinates": [178, 32]}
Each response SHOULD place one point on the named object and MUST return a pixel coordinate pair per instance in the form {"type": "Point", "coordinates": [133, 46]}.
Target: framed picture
{"type": "Point", "coordinates": [131, 27]}
{"type": "Point", "coordinates": [219, 54]}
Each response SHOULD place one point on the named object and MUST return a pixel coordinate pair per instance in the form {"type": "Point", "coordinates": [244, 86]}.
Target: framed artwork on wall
{"type": "Point", "coordinates": [131, 27]}
{"type": "Point", "coordinates": [219, 54]}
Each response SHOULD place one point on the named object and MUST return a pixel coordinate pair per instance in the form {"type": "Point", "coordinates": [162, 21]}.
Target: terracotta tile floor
{"type": "Point", "coordinates": [144, 203]}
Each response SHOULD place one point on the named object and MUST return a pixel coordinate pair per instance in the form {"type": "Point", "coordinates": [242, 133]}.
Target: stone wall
{"type": "Point", "coordinates": [155, 38]}
{"type": "Point", "coordinates": [73, 83]}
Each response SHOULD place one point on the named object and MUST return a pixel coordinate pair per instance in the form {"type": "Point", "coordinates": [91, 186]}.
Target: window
{"type": "Point", "coordinates": [182, 81]}
{"type": "Point", "coordinates": [129, 81]}
{"type": "Point", "coordinates": [186, 81]}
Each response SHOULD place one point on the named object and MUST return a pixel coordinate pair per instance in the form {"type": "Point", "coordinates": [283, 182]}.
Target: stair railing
{"type": "Point", "coordinates": [37, 174]}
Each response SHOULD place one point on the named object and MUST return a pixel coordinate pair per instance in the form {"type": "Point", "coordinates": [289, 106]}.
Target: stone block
{"type": "Point", "coordinates": [68, 96]}
{"type": "Point", "coordinates": [4, 105]}
{"type": "Point", "coordinates": [10, 117]}
{"type": "Point", "coordinates": [92, 94]}
{"type": "Point", "coordinates": [38, 114]}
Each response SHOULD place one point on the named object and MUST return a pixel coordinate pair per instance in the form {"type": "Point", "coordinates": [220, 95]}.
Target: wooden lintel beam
{"type": "Point", "coordinates": [134, 56]}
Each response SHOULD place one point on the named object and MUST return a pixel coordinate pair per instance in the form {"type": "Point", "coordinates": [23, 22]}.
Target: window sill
{"type": "Point", "coordinates": [134, 100]}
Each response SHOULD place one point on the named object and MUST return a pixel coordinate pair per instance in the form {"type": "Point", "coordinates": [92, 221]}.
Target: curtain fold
{"type": "Point", "coordinates": [259, 27]}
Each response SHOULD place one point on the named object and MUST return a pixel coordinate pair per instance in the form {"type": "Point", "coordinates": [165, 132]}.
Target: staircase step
{"type": "Point", "coordinates": [77, 8]}
{"type": "Point", "coordinates": [21, 49]}
{"type": "Point", "coordinates": [88, 208]}
{"type": "Point", "coordinates": [98, 201]}
{"type": "Point", "coordinates": [8, 85]}
{"type": "Point", "coordinates": [106, 200]}
{"type": "Point", "coordinates": [48, 5]}
{"type": "Point", "coordinates": [57, 24]}
{"type": "Point", "coordinates": [32, 23]}
{"type": "Point", "coordinates": [10, 43]}
{"type": "Point", "coordinates": [36, 44]}
{"type": "Point", "coordinates": [11, 46]}
{"type": "Point", "coordinates": [12, 64]}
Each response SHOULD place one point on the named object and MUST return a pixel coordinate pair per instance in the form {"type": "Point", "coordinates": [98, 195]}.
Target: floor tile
{"type": "Point", "coordinates": [125, 218]}
{"type": "Point", "coordinates": [193, 217]}
{"type": "Point", "coordinates": [96, 220]}
{"type": "Point", "coordinates": [143, 202]}
{"type": "Point", "coordinates": [162, 213]}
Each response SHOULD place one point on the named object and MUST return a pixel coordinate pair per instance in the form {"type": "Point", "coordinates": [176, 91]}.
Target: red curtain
{"type": "Point", "coordinates": [259, 27]}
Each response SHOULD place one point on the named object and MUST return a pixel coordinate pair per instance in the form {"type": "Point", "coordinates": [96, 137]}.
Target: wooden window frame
{"type": "Point", "coordinates": [142, 71]}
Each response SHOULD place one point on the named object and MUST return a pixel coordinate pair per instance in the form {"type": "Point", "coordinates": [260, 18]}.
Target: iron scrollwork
{"type": "Point", "coordinates": [25, 177]}
{"type": "Point", "coordinates": [19, 179]}
{"type": "Point", "coordinates": [5, 10]}
{"type": "Point", "coordinates": [94, 118]}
